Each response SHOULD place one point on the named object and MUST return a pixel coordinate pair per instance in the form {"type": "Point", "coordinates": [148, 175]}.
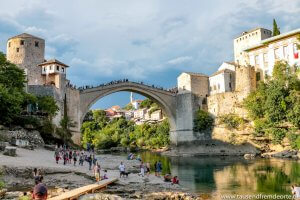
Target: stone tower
{"type": "Point", "coordinates": [245, 79]}
{"type": "Point", "coordinates": [27, 51]}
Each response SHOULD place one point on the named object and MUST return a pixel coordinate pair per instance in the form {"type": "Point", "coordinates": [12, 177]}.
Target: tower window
{"type": "Point", "coordinates": [18, 49]}
{"type": "Point", "coordinates": [257, 76]}
{"type": "Point", "coordinates": [44, 68]}
{"type": "Point", "coordinates": [9, 44]}
{"type": "Point", "coordinates": [57, 68]}
{"type": "Point", "coordinates": [50, 67]}
{"type": "Point", "coordinates": [63, 69]}
{"type": "Point", "coordinates": [22, 42]}
{"type": "Point", "coordinates": [36, 43]}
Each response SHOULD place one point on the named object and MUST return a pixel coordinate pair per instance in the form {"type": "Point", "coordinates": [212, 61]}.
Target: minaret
{"type": "Point", "coordinates": [131, 97]}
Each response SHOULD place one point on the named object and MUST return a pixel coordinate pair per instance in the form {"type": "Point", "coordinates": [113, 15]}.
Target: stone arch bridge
{"type": "Point", "coordinates": [179, 108]}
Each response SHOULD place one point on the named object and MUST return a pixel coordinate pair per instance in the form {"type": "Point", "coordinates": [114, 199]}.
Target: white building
{"type": "Point", "coordinates": [140, 113]}
{"type": "Point", "coordinates": [246, 40]}
{"type": "Point", "coordinates": [157, 115]}
{"type": "Point", "coordinates": [282, 47]}
{"type": "Point", "coordinates": [223, 80]}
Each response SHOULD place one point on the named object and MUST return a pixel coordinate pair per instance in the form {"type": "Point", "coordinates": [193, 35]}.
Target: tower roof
{"type": "Point", "coordinates": [52, 61]}
{"type": "Point", "coordinates": [25, 35]}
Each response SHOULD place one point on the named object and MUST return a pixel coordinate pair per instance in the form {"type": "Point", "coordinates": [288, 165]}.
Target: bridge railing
{"type": "Point", "coordinates": [82, 88]}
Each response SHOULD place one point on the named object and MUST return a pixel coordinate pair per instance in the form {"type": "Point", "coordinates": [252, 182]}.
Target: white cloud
{"type": "Point", "coordinates": [179, 60]}
{"type": "Point", "coordinates": [137, 39]}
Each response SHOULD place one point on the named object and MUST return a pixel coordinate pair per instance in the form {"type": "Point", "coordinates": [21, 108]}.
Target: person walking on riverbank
{"type": "Point", "coordinates": [97, 171]}
{"type": "Point", "coordinates": [65, 157]}
{"type": "Point", "coordinates": [36, 176]}
{"type": "Point", "coordinates": [74, 157]}
{"type": "Point", "coordinates": [57, 155]}
{"type": "Point", "coordinates": [142, 168]}
{"type": "Point", "coordinates": [122, 169]}
{"type": "Point", "coordinates": [70, 157]}
{"type": "Point", "coordinates": [158, 168]}
{"type": "Point", "coordinates": [89, 160]}
{"type": "Point", "coordinates": [148, 168]}
{"type": "Point", "coordinates": [81, 159]}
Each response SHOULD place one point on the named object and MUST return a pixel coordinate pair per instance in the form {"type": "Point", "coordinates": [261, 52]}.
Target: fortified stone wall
{"type": "Point", "coordinates": [73, 111]}
{"type": "Point", "coordinates": [245, 79]}
{"type": "Point", "coordinates": [231, 102]}
{"type": "Point", "coordinates": [50, 90]}
{"type": "Point", "coordinates": [27, 52]}
{"type": "Point", "coordinates": [200, 85]}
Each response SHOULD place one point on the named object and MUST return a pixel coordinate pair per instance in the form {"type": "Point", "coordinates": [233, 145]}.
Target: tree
{"type": "Point", "coordinates": [275, 105]}
{"type": "Point", "coordinates": [12, 95]}
{"type": "Point", "coordinates": [47, 105]}
{"type": "Point", "coordinates": [276, 29]}
{"type": "Point", "coordinates": [128, 107]}
{"type": "Point", "coordinates": [202, 121]}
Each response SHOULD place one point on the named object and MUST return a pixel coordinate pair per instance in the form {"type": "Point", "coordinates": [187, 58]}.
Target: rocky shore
{"type": "Point", "coordinates": [17, 175]}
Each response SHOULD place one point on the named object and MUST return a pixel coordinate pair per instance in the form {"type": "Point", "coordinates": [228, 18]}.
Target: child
{"type": "Point", "coordinates": [105, 175]}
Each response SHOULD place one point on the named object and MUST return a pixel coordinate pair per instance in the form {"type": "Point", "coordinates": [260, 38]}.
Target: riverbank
{"type": "Point", "coordinates": [18, 174]}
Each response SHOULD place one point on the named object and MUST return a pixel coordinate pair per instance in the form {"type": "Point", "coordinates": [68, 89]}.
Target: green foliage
{"type": "Point", "coordinates": [277, 134]}
{"type": "Point", "coordinates": [2, 184]}
{"type": "Point", "coordinates": [12, 95]}
{"type": "Point", "coordinates": [148, 103]}
{"type": "Point", "coordinates": [47, 105]}
{"type": "Point", "coordinates": [203, 121]}
{"type": "Point", "coordinates": [260, 126]}
{"type": "Point", "coordinates": [275, 105]}
{"type": "Point", "coordinates": [276, 30]}
{"type": "Point", "coordinates": [294, 140]}
{"type": "Point", "coordinates": [232, 121]}
{"type": "Point", "coordinates": [120, 132]}
{"type": "Point", "coordinates": [128, 107]}
{"type": "Point", "coordinates": [64, 131]}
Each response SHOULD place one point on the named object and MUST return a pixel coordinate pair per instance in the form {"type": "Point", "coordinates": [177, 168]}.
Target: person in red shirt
{"type": "Point", "coordinates": [175, 180]}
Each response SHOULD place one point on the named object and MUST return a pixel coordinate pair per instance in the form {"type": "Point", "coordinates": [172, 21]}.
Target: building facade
{"type": "Point", "coordinates": [264, 55]}
{"type": "Point", "coordinates": [44, 78]}
{"type": "Point", "coordinates": [222, 80]}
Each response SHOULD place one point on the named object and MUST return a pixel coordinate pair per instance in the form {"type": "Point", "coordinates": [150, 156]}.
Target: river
{"type": "Point", "coordinates": [230, 175]}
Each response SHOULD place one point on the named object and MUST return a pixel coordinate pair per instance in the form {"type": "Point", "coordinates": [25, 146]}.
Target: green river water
{"type": "Point", "coordinates": [230, 175]}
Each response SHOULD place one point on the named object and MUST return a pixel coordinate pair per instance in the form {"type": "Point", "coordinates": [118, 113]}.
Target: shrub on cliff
{"type": "Point", "coordinates": [232, 121]}
{"type": "Point", "coordinates": [275, 105]}
{"type": "Point", "coordinates": [203, 121]}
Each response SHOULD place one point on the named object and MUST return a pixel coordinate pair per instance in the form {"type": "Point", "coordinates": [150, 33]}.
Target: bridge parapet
{"type": "Point", "coordinates": [113, 84]}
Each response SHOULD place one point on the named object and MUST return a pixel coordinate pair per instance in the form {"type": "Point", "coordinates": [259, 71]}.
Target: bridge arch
{"type": "Point", "coordinates": [165, 99]}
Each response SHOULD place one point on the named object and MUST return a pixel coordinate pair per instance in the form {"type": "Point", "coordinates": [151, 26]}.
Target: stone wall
{"type": "Point", "coordinates": [231, 102]}
{"type": "Point", "coordinates": [74, 113]}
{"type": "Point", "coordinates": [226, 103]}
{"type": "Point", "coordinates": [245, 79]}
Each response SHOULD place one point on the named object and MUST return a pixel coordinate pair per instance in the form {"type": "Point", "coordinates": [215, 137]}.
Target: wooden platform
{"type": "Point", "coordinates": [76, 193]}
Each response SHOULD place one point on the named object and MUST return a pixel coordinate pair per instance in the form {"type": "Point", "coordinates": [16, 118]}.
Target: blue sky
{"type": "Point", "coordinates": [151, 41]}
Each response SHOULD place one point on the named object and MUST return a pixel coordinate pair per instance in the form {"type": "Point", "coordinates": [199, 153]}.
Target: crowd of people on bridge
{"type": "Point", "coordinates": [172, 90]}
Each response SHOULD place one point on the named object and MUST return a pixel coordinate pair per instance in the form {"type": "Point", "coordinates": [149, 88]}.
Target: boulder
{"type": "Point", "coordinates": [33, 137]}
{"type": "Point", "coordinates": [249, 156]}
{"type": "Point", "coordinates": [2, 193]}
{"type": "Point", "coordinates": [50, 147]}
{"type": "Point", "coordinates": [118, 149]}
{"type": "Point", "coordinates": [285, 154]}
{"type": "Point", "coordinates": [10, 151]}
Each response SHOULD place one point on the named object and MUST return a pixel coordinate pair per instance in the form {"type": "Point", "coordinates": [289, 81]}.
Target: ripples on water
{"type": "Point", "coordinates": [227, 175]}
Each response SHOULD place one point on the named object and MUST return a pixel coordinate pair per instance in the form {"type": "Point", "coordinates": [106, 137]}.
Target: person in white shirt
{"type": "Point", "coordinates": [122, 169]}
